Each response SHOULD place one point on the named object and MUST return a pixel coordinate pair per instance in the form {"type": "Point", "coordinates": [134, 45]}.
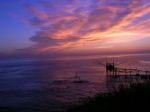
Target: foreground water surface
{"type": "Point", "coordinates": [45, 85]}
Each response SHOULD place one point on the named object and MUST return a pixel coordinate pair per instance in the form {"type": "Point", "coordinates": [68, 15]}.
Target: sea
{"type": "Point", "coordinates": [51, 85]}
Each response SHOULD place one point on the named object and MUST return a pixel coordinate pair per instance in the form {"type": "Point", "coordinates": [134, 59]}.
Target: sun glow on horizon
{"type": "Point", "coordinates": [88, 26]}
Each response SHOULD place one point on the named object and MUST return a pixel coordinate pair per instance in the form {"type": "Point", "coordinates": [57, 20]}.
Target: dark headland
{"type": "Point", "coordinates": [134, 98]}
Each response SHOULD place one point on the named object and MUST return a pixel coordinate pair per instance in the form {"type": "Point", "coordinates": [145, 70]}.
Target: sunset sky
{"type": "Point", "coordinates": [52, 27]}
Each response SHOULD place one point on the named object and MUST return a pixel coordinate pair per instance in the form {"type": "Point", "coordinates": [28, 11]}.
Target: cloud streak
{"type": "Point", "coordinates": [98, 25]}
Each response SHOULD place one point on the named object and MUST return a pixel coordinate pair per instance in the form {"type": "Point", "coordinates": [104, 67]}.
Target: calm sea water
{"type": "Point", "coordinates": [44, 85]}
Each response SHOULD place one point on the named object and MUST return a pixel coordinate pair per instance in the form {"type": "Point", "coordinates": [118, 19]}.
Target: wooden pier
{"type": "Point", "coordinates": [113, 71]}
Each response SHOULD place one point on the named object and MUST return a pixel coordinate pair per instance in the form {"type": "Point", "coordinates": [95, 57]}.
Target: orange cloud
{"type": "Point", "coordinates": [98, 26]}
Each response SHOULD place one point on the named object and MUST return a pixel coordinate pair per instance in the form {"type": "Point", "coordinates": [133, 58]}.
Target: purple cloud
{"type": "Point", "coordinates": [72, 24]}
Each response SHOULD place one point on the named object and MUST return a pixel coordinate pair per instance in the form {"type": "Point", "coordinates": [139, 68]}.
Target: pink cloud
{"type": "Point", "coordinates": [76, 25]}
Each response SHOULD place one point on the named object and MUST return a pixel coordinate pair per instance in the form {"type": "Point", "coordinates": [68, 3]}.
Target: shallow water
{"type": "Point", "coordinates": [44, 85]}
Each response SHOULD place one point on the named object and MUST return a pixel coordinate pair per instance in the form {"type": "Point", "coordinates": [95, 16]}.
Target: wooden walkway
{"type": "Point", "coordinates": [116, 72]}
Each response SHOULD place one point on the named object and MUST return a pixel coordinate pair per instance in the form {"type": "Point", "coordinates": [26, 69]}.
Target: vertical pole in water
{"type": "Point", "coordinates": [106, 65]}
{"type": "Point", "coordinates": [113, 69]}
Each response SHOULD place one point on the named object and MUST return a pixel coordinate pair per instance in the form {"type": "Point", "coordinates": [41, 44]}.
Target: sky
{"type": "Point", "coordinates": [74, 27]}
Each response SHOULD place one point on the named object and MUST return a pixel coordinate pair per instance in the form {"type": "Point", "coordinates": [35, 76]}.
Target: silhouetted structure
{"type": "Point", "coordinates": [114, 71]}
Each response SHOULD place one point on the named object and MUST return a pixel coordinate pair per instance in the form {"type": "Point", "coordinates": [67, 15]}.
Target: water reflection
{"type": "Point", "coordinates": [114, 83]}
{"type": "Point", "coordinates": [42, 85]}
